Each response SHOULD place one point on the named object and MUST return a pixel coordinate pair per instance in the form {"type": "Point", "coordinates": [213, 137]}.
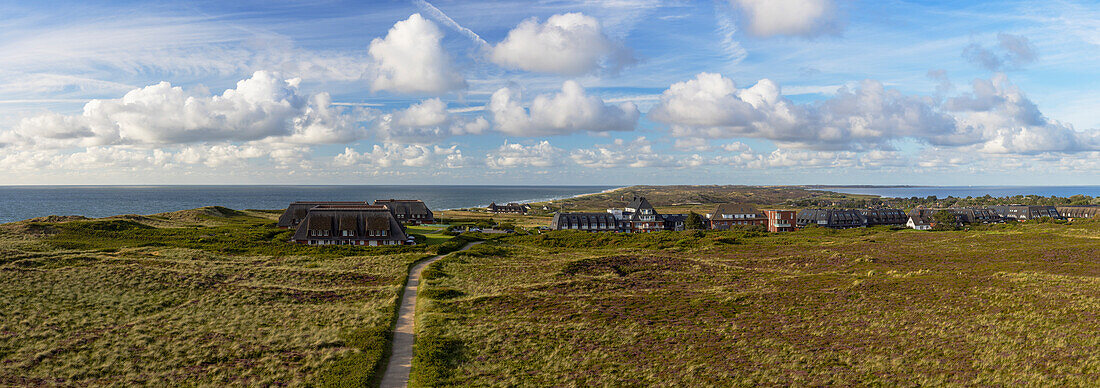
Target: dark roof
{"type": "Point", "coordinates": [509, 207]}
{"type": "Point", "coordinates": [564, 220]}
{"type": "Point", "coordinates": [884, 216]}
{"type": "Point", "coordinates": [405, 207]}
{"type": "Point", "coordinates": [831, 218]}
{"type": "Point", "coordinates": [1026, 212]}
{"type": "Point", "coordinates": [736, 208]}
{"type": "Point", "coordinates": [296, 212]}
{"type": "Point", "coordinates": [674, 217]}
{"type": "Point", "coordinates": [358, 219]}
{"type": "Point", "coordinates": [639, 203]}
{"type": "Point", "coordinates": [964, 215]}
{"type": "Point", "coordinates": [1079, 211]}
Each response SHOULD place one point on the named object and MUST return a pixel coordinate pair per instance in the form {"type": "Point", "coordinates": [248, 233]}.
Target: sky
{"type": "Point", "coordinates": [618, 92]}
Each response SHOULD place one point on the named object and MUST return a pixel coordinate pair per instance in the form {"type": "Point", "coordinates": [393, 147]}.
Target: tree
{"type": "Point", "coordinates": [944, 220]}
{"type": "Point", "coordinates": [694, 222]}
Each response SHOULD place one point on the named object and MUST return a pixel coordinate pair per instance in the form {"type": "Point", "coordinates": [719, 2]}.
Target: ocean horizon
{"type": "Point", "coordinates": [23, 202]}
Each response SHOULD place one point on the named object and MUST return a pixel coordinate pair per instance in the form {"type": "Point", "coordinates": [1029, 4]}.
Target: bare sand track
{"type": "Point", "coordinates": [404, 333]}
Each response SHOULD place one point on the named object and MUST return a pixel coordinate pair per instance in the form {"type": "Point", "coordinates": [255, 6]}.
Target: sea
{"type": "Point", "coordinates": [964, 191]}
{"type": "Point", "coordinates": [23, 202]}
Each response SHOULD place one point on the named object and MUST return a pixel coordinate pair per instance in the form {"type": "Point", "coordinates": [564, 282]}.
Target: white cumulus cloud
{"type": "Point", "coordinates": [568, 44]}
{"type": "Point", "coordinates": [263, 106]}
{"type": "Point", "coordinates": [411, 59]}
{"type": "Point", "coordinates": [565, 112]}
{"type": "Point", "coordinates": [510, 155]}
{"type": "Point", "coordinates": [391, 155]}
{"type": "Point", "coordinates": [425, 122]}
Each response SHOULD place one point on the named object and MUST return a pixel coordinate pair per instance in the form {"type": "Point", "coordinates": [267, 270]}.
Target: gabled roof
{"type": "Point", "coordinates": [563, 219]}
{"type": "Point", "coordinates": [359, 219]}
{"type": "Point", "coordinates": [406, 207]}
{"type": "Point", "coordinates": [639, 203]}
{"type": "Point", "coordinates": [736, 208]}
{"type": "Point", "coordinates": [298, 210]}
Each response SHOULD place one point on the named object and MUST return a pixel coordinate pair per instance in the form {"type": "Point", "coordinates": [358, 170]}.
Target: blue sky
{"type": "Point", "coordinates": [551, 92]}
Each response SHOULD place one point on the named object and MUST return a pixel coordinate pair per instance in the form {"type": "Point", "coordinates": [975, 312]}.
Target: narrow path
{"type": "Point", "coordinates": [404, 333]}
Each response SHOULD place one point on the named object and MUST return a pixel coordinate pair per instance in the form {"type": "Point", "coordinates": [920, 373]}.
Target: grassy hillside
{"type": "Point", "coordinates": [209, 296]}
{"type": "Point", "coordinates": [1001, 305]}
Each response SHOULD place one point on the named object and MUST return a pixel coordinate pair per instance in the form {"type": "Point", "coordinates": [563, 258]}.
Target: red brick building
{"type": "Point", "coordinates": [780, 220]}
{"type": "Point", "coordinates": [728, 215]}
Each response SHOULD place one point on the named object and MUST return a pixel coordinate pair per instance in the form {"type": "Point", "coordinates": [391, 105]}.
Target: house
{"type": "Point", "coordinates": [830, 218]}
{"type": "Point", "coordinates": [890, 217]}
{"type": "Point", "coordinates": [674, 221]}
{"type": "Point", "coordinates": [408, 211]}
{"type": "Point", "coordinates": [1024, 212]}
{"type": "Point", "coordinates": [922, 218]}
{"type": "Point", "coordinates": [366, 225]}
{"type": "Point", "coordinates": [593, 222]}
{"type": "Point", "coordinates": [1074, 212]}
{"type": "Point", "coordinates": [919, 221]}
{"type": "Point", "coordinates": [727, 215]}
{"type": "Point", "coordinates": [780, 220]}
{"type": "Point", "coordinates": [976, 215]}
{"type": "Point", "coordinates": [511, 207]}
{"type": "Point", "coordinates": [640, 216]}
{"type": "Point", "coordinates": [296, 212]}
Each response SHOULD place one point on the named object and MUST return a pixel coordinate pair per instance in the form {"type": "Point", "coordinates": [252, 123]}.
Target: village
{"type": "Point", "coordinates": [384, 222]}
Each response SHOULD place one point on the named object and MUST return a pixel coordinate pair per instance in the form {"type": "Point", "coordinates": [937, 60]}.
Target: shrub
{"type": "Point", "coordinates": [363, 367]}
{"type": "Point", "coordinates": [434, 359]}
{"type": "Point", "coordinates": [441, 293]}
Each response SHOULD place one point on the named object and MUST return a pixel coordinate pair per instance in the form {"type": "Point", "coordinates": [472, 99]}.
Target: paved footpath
{"type": "Point", "coordinates": [397, 370]}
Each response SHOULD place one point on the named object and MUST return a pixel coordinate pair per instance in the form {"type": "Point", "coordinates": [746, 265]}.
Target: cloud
{"type": "Point", "coordinates": [995, 117]}
{"type": "Point", "coordinates": [635, 154]}
{"type": "Point", "coordinates": [567, 44]}
{"type": "Point", "coordinates": [260, 107]}
{"type": "Point", "coordinates": [999, 114]}
{"type": "Point", "coordinates": [411, 59]}
{"type": "Point", "coordinates": [1018, 48]}
{"type": "Point", "coordinates": [806, 18]}
{"type": "Point", "coordinates": [425, 122]}
{"type": "Point", "coordinates": [711, 106]}
{"type": "Point", "coordinates": [392, 155]}
{"type": "Point", "coordinates": [568, 111]}
{"type": "Point", "coordinates": [510, 155]}
{"type": "Point", "coordinates": [692, 144]}
{"type": "Point", "coordinates": [123, 158]}
{"type": "Point", "coordinates": [1017, 52]}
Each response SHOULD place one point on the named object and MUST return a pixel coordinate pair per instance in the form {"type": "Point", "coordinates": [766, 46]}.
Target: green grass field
{"type": "Point", "coordinates": [210, 296]}
{"type": "Point", "coordinates": [433, 233]}
{"type": "Point", "coordinates": [215, 296]}
{"type": "Point", "coordinates": [997, 305]}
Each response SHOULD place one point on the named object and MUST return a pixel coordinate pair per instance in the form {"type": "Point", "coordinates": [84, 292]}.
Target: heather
{"type": "Point", "coordinates": [1008, 304]}
{"type": "Point", "coordinates": [210, 296]}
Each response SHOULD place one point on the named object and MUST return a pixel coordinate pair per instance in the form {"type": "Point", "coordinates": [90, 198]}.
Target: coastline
{"type": "Point", "coordinates": [558, 198]}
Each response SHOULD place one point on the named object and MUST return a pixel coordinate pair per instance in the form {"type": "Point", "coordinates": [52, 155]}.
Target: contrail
{"type": "Point", "coordinates": [435, 13]}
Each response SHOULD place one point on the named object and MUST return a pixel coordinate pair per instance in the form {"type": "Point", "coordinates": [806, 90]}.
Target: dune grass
{"type": "Point", "coordinates": [996, 305]}
{"type": "Point", "coordinates": [204, 297]}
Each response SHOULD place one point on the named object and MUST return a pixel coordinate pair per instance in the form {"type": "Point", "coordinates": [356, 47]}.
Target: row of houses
{"type": "Point", "coordinates": [354, 222]}
{"type": "Point", "coordinates": [640, 216]}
